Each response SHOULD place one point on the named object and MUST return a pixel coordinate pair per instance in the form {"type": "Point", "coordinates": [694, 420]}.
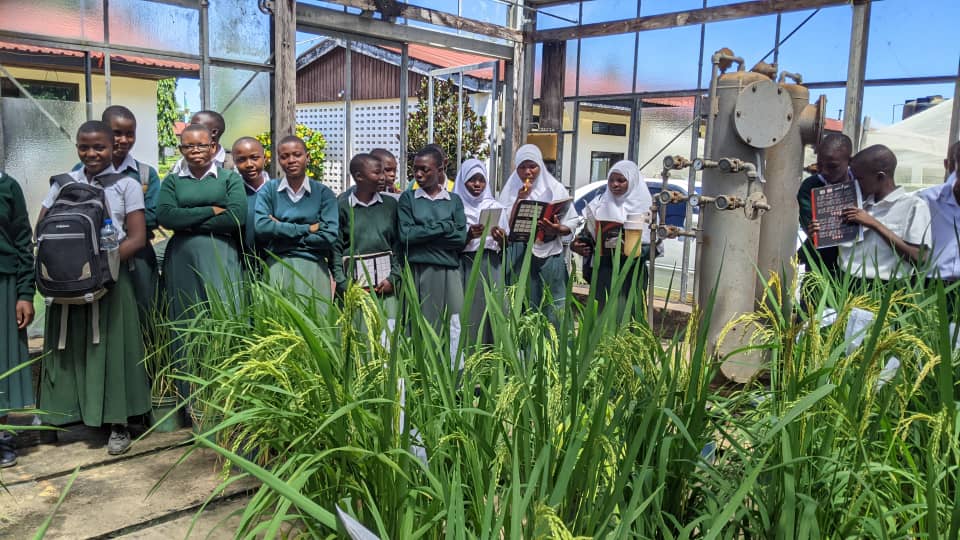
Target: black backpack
{"type": "Point", "coordinates": [70, 266]}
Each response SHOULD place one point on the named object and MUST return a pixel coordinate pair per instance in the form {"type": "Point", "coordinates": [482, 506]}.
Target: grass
{"type": "Point", "coordinates": [590, 428]}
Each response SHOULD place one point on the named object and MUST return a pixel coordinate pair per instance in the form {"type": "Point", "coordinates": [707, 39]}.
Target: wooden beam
{"type": "Point", "coordinates": [728, 12]}
{"type": "Point", "coordinates": [285, 68]}
{"type": "Point", "coordinates": [856, 72]}
{"type": "Point", "coordinates": [439, 18]}
{"type": "Point", "coordinates": [323, 20]}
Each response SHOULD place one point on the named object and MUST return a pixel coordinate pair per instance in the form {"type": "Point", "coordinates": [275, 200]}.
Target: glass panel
{"type": "Point", "coordinates": [61, 18]}
{"type": "Point", "coordinates": [661, 119]}
{"type": "Point", "coordinates": [605, 66]}
{"type": "Point", "coordinates": [588, 144]}
{"type": "Point", "coordinates": [570, 69]}
{"type": "Point", "coordinates": [135, 22]}
{"type": "Point", "coordinates": [655, 7]}
{"type": "Point", "coordinates": [538, 71]}
{"type": "Point", "coordinates": [665, 59]}
{"type": "Point", "coordinates": [487, 11]}
{"type": "Point", "coordinates": [750, 39]}
{"type": "Point", "coordinates": [610, 10]}
{"type": "Point", "coordinates": [558, 16]}
{"type": "Point", "coordinates": [34, 148]}
{"type": "Point", "coordinates": [245, 111]}
{"type": "Point", "coordinates": [919, 135]}
{"type": "Point", "coordinates": [819, 49]}
{"type": "Point", "coordinates": [910, 39]}
{"type": "Point", "coordinates": [239, 31]}
{"type": "Point", "coordinates": [567, 163]}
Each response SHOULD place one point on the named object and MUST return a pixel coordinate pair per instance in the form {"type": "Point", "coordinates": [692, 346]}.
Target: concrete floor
{"type": "Point", "coordinates": [120, 496]}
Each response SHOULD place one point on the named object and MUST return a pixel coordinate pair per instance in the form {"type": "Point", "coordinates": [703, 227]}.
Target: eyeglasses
{"type": "Point", "coordinates": [192, 147]}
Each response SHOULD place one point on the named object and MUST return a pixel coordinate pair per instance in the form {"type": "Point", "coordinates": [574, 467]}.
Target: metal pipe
{"type": "Point", "coordinates": [348, 114]}
{"type": "Point", "coordinates": [494, 128]}
{"type": "Point", "coordinates": [954, 133]}
{"type": "Point", "coordinates": [430, 111]}
{"type": "Point", "coordinates": [459, 121]}
{"type": "Point", "coordinates": [87, 83]}
{"type": "Point", "coordinates": [688, 210]}
{"type": "Point", "coordinates": [204, 54]}
{"type": "Point", "coordinates": [106, 53]}
{"type": "Point", "coordinates": [404, 113]}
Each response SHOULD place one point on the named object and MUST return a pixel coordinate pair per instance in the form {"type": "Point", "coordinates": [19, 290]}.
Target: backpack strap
{"type": "Point", "coordinates": [61, 179]}
{"type": "Point", "coordinates": [109, 179]}
{"type": "Point", "coordinates": [144, 171]}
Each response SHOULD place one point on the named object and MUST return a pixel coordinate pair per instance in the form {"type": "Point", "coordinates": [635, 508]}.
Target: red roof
{"type": "Point", "coordinates": [446, 58]}
{"type": "Point", "coordinates": [98, 56]}
{"type": "Point", "coordinates": [832, 124]}
{"type": "Point", "coordinates": [178, 127]}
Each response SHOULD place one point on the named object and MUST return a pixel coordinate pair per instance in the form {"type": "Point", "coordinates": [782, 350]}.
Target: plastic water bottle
{"type": "Point", "coordinates": [109, 239]}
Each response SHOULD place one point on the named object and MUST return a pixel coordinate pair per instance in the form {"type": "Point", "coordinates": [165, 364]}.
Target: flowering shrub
{"type": "Point", "coordinates": [316, 144]}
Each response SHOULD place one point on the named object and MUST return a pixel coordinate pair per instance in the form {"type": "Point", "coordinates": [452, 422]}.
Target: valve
{"type": "Point", "coordinates": [669, 196]}
{"type": "Point", "coordinates": [700, 164]}
{"type": "Point", "coordinates": [756, 205]}
{"type": "Point", "coordinates": [730, 165]}
{"type": "Point", "coordinates": [675, 162]}
{"type": "Point", "coordinates": [700, 200]}
{"type": "Point", "coordinates": [671, 231]}
{"type": "Point", "coordinates": [728, 202]}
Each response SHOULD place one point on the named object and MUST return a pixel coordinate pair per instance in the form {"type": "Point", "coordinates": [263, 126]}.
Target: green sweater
{"type": "Point", "coordinates": [365, 230]}
{"type": "Point", "coordinates": [186, 204]}
{"type": "Point", "coordinates": [432, 231]}
{"type": "Point", "coordinates": [289, 235]}
{"type": "Point", "coordinates": [16, 244]}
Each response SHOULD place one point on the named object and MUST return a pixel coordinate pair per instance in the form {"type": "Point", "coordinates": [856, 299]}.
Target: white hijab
{"type": "Point", "coordinates": [545, 187]}
{"type": "Point", "coordinates": [637, 199]}
{"type": "Point", "coordinates": [473, 205]}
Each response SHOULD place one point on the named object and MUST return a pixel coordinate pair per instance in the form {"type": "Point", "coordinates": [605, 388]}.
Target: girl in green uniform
{"type": "Point", "coordinates": [297, 224]}
{"type": "Point", "coordinates": [548, 268]}
{"type": "Point", "coordinates": [626, 195]}
{"type": "Point", "coordinates": [472, 188]}
{"type": "Point", "coordinates": [102, 383]}
{"type": "Point", "coordinates": [249, 157]}
{"type": "Point", "coordinates": [16, 306]}
{"type": "Point", "coordinates": [367, 226]}
{"type": "Point", "coordinates": [206, 209]}
{"type": "Point", "coordinates": [433, 231]}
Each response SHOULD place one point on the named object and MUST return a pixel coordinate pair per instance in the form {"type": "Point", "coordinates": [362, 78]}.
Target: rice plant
{"type": "Point", "coordinates": [595, 427]}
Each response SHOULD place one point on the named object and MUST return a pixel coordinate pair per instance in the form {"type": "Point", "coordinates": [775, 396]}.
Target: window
{"type": "Point", "coordinates": [59, 91]}
{"type": "Point", "coordinates": [600, 163]}
{"type": "Point", "coordinates": [607, 128]}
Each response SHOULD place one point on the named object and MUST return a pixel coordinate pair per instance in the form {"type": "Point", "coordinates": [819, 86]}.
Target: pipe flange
{"type": "Point", "coordinates": [756, 205]}
{"type": "Point", "coordinates": [763, 114]}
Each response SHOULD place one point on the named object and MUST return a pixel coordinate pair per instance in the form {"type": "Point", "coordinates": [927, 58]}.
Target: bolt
{"type": "Point", "coordinates": [774, 139]}
{"type": "Point", "coordinates": [789, 118]}
{"type": "Point", "coordinates": [779, 91]}
{"type": "Point", "coordinates": [738, 114]}
{"type": "Point", "coordinates": [754, 89]}
{"type": "Point", "coordinates": [749, 139]}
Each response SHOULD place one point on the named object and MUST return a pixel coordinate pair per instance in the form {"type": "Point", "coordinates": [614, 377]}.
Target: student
{"type": "Point", "coordinates": [16, 307]}
{"type": "Point", "coordinates": [950, 163]}
{"type": "Point", "coordinates": [249, 157]}
{"type": "Point", "coordinates": [216, 125]}
{"type": "Point", "coordinates": [833, 167]}
{"type": "Point", "coordinates": [389, 164]}
{"type": "Point", "coordinates": [896, 223]}
{"type": "Point", "coordinates": [548, 269]}
{"type": "Point", "coordinates": [626, 195]}
{"type": "Point", "coordinates": [297, 225]}
{"type": "Point", "coordinates": [944, 204]}
{"type": "Point", "coordinates": [105, 382]}
{"type": "Point", "coordinates": [474, 191]}
{"type": "Point", "coordinates": [206, 208]}
{"type": "Point", "coordinates": [143, 268]}
{"type": "Point", "coordinates": [367, 225]}
{"type": "Point", "coordinates": [433, 231]}
{"type": "Point", "coordinates": [447, 183]}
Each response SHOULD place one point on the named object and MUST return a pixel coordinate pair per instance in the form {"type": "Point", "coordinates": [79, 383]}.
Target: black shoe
{"type": "Point", "coordinates": [119, 441]}
{"type": "Point", "coordinates": [8, 455]}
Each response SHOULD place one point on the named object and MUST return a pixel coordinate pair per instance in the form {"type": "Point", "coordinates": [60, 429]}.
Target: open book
{"type": "Point", "coordinates": [609, 234]}
{"type": "Point", "coordinates": [828, 203]}
{"type": "Point", "coordinates": [527, 213]}
{"type": "Point", "coordinates": [490, 218]}
{"type": "Point", "coordinates": [368, 270]}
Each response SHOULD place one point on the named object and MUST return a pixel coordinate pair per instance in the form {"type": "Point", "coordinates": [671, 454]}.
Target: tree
{"type": "Point", "coordinates": [166, 114]}
{"type": "Point", "coordinates": [474, 142]}
{"type": "Point", "coordinates": [316, 150]}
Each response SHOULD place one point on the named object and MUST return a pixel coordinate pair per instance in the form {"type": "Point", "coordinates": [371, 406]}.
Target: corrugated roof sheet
{"type": "Point", "coordinates": [98, 56]}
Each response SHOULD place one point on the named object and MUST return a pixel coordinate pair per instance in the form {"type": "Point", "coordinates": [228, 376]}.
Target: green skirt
{"type": "Point", "coordinates": [636, 280]}
{"type": "Point", "coordinates": [440, 291]}
{"type": "Point", "coordinates": [99, 384]}
{"type": "Point", "coordinates": [196, 267]}
{"type": "Point", "coordinates": [16, 389]}
{"type": "Point", "coordinates": [547, 282]}
{"type": "Point", "coordinates": [308, 280]}
{"type": "Point", "coordinates": [490, 277]}
{"type": "Point", "coordinates": [144, 278]}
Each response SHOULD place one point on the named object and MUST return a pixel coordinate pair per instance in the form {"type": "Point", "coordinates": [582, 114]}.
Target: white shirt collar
{"type": "Point", "coordinates": [128, 164]}
{"type": "Point", "coordinates": [185, 172]}
{"type": "Point", "coordinates": [441, 195]}
{"type": "Point", "coordinates": [264, 176]}
{"type": "Point", "coordinates": [891, 198]}
{"type": "Point", "coordinates": [221, 156]}
{"type": "Point", "coordinates": [81, 176]}
{"type": "Point", "coordinates": [354, 201]}
{"type": "Point", "coordinates": [284, 185]}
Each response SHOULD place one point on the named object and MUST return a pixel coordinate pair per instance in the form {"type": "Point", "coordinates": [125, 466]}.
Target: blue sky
{"type": "Point", "coordinates": [908, 38]}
